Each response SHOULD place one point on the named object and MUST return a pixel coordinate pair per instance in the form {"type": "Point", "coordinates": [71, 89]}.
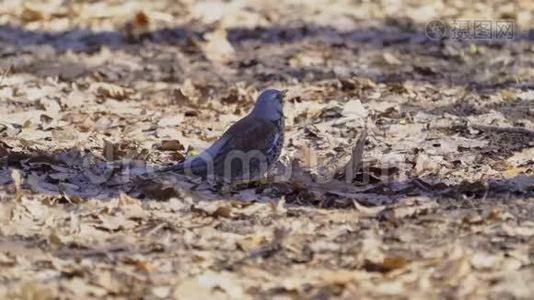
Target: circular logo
{"type": "Point", "coordinates": [436, 29]}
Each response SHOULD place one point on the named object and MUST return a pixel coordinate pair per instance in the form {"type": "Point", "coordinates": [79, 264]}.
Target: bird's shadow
{"type": "Point", "coordinates": [71, 176]}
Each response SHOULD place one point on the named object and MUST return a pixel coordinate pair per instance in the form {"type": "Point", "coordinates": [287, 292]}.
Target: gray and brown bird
{"type": "Point", "coordinates": [247, 150]}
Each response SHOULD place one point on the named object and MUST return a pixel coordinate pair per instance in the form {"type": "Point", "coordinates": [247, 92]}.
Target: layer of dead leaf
{"type": "Point", "coordinates": [411, 160]}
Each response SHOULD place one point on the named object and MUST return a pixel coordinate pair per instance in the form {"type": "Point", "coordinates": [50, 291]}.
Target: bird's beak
{"type": "Point", "coordinates": [283, 92]}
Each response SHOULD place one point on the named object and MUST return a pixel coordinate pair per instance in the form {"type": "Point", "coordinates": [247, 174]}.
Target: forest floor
{"type": "Point", "coordinates": [95, 93]}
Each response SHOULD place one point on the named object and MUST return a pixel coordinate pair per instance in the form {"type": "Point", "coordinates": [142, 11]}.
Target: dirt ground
{"type": "Point", "coordinates": [95, 93]}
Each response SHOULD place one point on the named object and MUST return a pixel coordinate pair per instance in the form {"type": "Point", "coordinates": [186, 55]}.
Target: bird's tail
{"type": "Point", "coordinates": [196, 166]}
{"type": "Point", "coordinates": [177, 168]}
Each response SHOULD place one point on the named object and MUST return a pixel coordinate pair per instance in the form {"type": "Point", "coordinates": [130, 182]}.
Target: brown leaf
{"type": "Point", "coordinates": [178, 97]}
{"type": "Point", "coordinates": [157, 190]}
{"type": "Point", "coordinates": [213, 209]}
{"type": "Point", "coordinates": [252, 242]}
{"type": "Point", "coordinates": [109, 90]}
{"type": "Point", "coordinates": [387, 265]}
{"type": "Point", "coordinates": [31, 15]}
{"type": "Point", "coordinates": [347, 84]}
{"type": "Point", "coordinates": [170, 145]}
{"type": "Point", "coordinates": [143, 266]}
{"type": "Point", "coordinates": [141, 20]}
{"type": "Point", "coordinates": [4, 150]}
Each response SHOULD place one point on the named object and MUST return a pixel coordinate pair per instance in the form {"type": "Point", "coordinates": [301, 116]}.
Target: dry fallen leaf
{"type": "Point", "coordinates": [109, 90]}
{"type": "Point", "coordinates": [31, 15]}
{"type": "Point", "coordinates": [217, 48]}
{"type": "Point", "coordinates": [440, 204]}
{"type": "Point", "coordinates": [171, 145]}
{"type": "Point", "coordinates": [17, 180]}
{"type": "Point", "coordinates": [210, 285]}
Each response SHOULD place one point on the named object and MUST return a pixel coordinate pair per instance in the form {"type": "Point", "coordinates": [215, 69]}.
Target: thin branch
{"type": "Point", "coordinates": [519, 130]}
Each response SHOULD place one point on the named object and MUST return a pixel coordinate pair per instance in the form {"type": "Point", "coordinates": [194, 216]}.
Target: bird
{"type": "Point", "coordinates": [247, 150]}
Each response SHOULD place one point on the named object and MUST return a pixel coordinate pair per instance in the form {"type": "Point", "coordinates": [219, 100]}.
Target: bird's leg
{"type": "Point", "coordinates": [267, 180]}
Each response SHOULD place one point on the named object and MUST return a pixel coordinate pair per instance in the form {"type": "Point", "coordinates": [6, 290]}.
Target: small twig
{"type": "Point", "coordinates": [4, 75]}
{"type": "Point", "coordinates": [354, 163]}
{"type": "Point", "coordinates": [519, 130]}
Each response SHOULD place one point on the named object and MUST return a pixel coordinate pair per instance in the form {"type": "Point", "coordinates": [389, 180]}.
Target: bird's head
{"type": "Point", "coordinates": [270, 105]}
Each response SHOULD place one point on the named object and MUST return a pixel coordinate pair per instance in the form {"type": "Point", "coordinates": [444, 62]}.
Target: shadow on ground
{"type": "Point", "coordinates": [70, 175]}
{"type": "Point", "coordinates": [266, 55]}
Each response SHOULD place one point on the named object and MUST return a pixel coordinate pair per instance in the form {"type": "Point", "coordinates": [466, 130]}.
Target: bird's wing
{"type": "Point", "coordinates": [245, 135]}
